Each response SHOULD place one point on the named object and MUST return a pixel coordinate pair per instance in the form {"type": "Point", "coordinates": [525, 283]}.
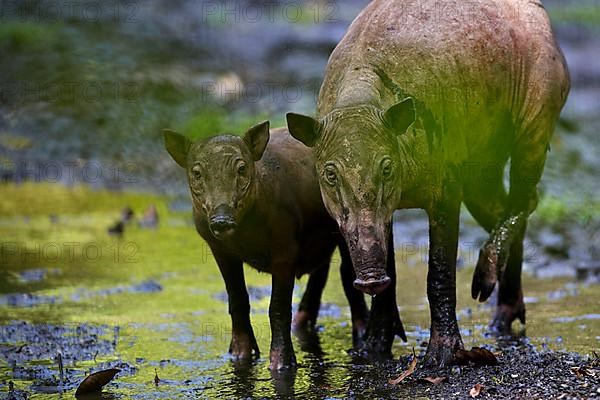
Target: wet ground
{"type": "Point", "coordinates": [152, 303]}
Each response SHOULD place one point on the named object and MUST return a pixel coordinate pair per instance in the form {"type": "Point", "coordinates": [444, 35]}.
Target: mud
{"type": "Point", "coordinates": [523, 371]}
{"type": "Point", "coordinates": [32, 353]}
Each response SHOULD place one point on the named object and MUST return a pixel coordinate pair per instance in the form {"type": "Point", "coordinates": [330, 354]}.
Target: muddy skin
{"type": "Point", "coordinates": [412, 110]}
{"type": "Point", "coordinates": [256, 200]}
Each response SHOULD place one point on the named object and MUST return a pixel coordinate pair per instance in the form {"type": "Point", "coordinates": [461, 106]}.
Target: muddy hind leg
{"type": "Point", "coordinates": [510, 293]}
{"type": "Point", "coordinates": [308, 310]}
{"type": "Point", "coordinates": [527, 164]}
{"type": "Point", "coordinates": [384, 322]}
{"type": "Point", "coordinates": [487, 203]}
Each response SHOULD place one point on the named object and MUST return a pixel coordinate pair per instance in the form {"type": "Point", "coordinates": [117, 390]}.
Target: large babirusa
{"type": "Point", "coordinates": [418, 103]}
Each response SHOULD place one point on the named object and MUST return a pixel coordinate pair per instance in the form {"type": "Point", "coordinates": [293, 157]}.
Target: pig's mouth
{"type": "Point", "coordinates": [222, 226]}
{"type": "Point", "coordinates": [222, 231]}
{"type": "Point", "coordinates": [372, 284]}
{"type": "Point", "coordinates": [371, 276]}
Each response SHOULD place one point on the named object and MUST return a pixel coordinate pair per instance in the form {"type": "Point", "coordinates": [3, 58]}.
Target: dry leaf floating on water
{"type": "Point", "coordinates": [94, 382]}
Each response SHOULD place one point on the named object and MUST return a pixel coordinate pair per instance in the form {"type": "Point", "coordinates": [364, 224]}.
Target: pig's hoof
{"type": "Point", "coordinates": [282, 360]}
{"type": "Point", "coordinates": [378, 340]}
{"type": "Point", "coordinates": [243, 347]}
{"type": "Point", "coordinates": [303, 321]}
{"type": "Point", "coordinates": [505, 315]}
{"type": "Point", "coordinates": [440, 351]}
{"type": "Point", "coordinates": [309, 341]}
{"type": "Point", "coordinates": [486, 272]}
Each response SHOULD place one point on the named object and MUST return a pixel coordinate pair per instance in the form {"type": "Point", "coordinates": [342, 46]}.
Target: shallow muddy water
{"type": "Point", "coordinates": [153, 303]}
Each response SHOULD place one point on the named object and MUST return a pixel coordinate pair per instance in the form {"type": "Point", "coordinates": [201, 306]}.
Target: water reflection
{"type": "Point", "coordinates": [319, 374]}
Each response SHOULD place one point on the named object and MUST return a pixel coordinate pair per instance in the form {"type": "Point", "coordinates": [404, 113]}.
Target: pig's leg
{"type": "Point", "coordinates": [527, 164]}
{"type": "Point", "coordinates": [308, 310]}
{"type": "Point", "coordinates": [488, 202]}
{"type": "Point", "coordinates": [510, 293]}
{"type": "Point", "coordinates": [441, 278]}
{"type": "Point", "coordinates": [494, 255]}
{"type": "Point", "coordinates": [243, 342]}
{"type": "Point", "coordinates": [356, 299]}
{"type": "Point", "coordinates": [280, 316]}
{"type": "Point", "coordinates": [384, 322]}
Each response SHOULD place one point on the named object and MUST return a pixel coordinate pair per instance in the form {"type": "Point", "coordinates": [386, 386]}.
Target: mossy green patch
{"type": "Point", "coordinates": [43, 199]}
{"type": "Point", "coordinates": [19, 37]}
{"type": "Point", "coordinates": [555, 209]}
{"type": "Point", "coordinates": [582, 14]}
{"type": "Point", "coordinates": [215, 120]}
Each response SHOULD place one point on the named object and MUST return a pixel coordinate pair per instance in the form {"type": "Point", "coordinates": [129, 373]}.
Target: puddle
{"type": "Point", "coordinates": [166, 313]}
{"type": "Point", "coordinates": [578, 318]}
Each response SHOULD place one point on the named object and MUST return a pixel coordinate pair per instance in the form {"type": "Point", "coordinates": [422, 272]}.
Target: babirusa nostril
{"type": "Point", "coordinates": [222, 219]}
{"type": "Point", "coordinates": [222, 223]}
{"type": "Point", "coordinates": [372, 286]}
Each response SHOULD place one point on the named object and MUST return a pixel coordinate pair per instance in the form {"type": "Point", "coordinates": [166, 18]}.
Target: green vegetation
{"type": "Point", "coordinates": [559, 209]}
{"type": "Point", "coordinates": [581, 14]}
{"type": "Point", "coordinates": [43, 199]}
{"type": "Point", "coordinates": [19, 37]}
{"type": "Point", "coordinates": [216, 120]}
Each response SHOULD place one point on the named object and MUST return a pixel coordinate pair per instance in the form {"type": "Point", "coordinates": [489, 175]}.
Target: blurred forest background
{"type": "Point", "coordinates": [89, 85]}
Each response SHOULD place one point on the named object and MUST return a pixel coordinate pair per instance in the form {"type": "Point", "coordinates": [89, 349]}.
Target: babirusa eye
{"type": "Point", "coordinates": [330, 175]}
{"type": "Point", "coordinates": [241, 169]}
{"type": "Point", "coordinates": [386, 167]}
{"type": "Point", "coordinates": [196, 172]}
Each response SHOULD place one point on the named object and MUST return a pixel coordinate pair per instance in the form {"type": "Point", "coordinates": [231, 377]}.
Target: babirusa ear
{"type": "Point", "coordinates": [256, 138]}
{"type": "Point", "coordinates": [178, 146]}
{"type": "Point", "coordinates": [400, 116]}
{"type": "Point", "coordinates": [305, 129]}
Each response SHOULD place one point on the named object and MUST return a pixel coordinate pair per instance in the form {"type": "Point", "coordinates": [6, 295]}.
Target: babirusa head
{"type": "Point", "coordinates": [360, 174]}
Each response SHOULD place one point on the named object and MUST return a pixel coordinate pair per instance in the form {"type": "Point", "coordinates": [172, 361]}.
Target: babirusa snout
{"type": "Point", "coordinates": [372, 286]}
{"type": "Point", "coordinates": [222, 222]}
{"type": "Point", "coordinates": [368, 249]}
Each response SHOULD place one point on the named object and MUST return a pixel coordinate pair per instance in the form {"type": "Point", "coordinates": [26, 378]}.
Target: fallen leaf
{"type": "Point", "coordinates": [477, 355]}
{"type": "Point", "coordinates": [582, 371]}
{"type": "Point", "coordinates": [408, 372]}
{"type": "Point", "coordinates": [94, 382]}
{"type": "Point", "coordinates": [434, 380]}
{"type": "Point", "coordinates": [475, 390]}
